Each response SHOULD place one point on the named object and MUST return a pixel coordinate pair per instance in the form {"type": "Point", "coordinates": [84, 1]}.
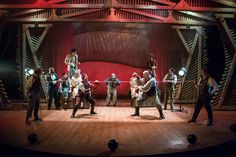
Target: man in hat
{"type": "Point", "coordinates": [148, 94]}
{"type": "Point", "coordinates": [170, 81]}
{"type": "Point", "coordinates": [53, 90]}
{"type": "Point", "coordinates": [112, 82]}
{"type": "Point", "coordinates": [72, 62]}
{"type": "Point", "coordinates": [85, 93]}
{"type": "Point", "coordinates": [135, 81]}
{"type": "Point", "coordinates": [207, 87]}
{"type": "Point", "coordinates": [35, 97]}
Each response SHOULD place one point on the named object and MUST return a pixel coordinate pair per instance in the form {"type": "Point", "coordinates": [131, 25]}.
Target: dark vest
{"type": "Point", "coordinates": [172, 78]}
{"type": "Point", "coordinates": [204, 88]}
{"type": "Point", "coordinates": [153, 89]}
{"type": "Point", "coordinates": [86, 84]}
{"type": "Point", "coordinates": [36, 85]}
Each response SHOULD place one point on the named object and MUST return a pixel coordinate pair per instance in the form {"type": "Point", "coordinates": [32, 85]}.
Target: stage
{"type": "Point", "coordinates": [88, 135]}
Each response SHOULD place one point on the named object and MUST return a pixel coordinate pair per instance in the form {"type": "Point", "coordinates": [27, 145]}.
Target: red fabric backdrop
{"type": "Point", "coordinates": [113, 48]}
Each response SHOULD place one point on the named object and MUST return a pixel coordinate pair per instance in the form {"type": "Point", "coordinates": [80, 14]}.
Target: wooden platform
{"type": "Point", "coordinates": [89, 134]}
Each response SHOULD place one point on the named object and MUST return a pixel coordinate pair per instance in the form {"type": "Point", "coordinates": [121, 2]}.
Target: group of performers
{"type": "Point", "coordinates": [144, 90]}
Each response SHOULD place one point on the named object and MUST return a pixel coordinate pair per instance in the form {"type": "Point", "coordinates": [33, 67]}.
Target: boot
{"type": "Point", "coordinates": [65, 103]}
{"type": "Point", "coordinates": [92, 110]}
{"type": "Point", "coordinates": [136, 112]}
{"type": "Point", "coordinates": [133, 102]}
{"type": "Point", "coordinates": [74, 102]}
{"type": "Point", "coordinates": [161, 113]}
{"type": "Point", "coordinates": [165, 107]}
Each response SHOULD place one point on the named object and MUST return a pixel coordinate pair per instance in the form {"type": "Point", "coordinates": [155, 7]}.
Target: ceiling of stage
{"type": "Point", "coordinates": [183, 12]}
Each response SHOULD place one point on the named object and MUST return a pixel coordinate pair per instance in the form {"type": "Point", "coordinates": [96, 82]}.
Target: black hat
{"type": "Point", "coordinates": [73, 50]}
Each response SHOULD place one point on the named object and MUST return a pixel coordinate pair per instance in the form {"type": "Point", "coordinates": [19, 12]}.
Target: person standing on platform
{"type": "Point", "coordinates": [152, 65]}
{"type": "Point", "coordinates": [72, 62]}
{"type": "Point", "coordinates": [135, 81]}
{"type": "Point", "coordinates": [85, 94]}
{"type": "Point", "coordinates": [112, 82]}
{"type": "Point", "coordinates": [34, 91]}
{"type": "Point", "coordinates": [207, 87]}
{"type": "Point", "coordinates": [170, 81]}
{"type": "Point", "coordinates": [65, 89]}
{"type": "Point", "coordinates": [53, 90]}
{"type": "Point", "coordinates": [75, 81]}
{"type": "Point", "coordinates": [148, 94]}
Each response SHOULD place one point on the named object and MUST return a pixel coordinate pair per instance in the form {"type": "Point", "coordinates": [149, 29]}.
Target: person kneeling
{"type": "Point", "coordinates": [84, 93]}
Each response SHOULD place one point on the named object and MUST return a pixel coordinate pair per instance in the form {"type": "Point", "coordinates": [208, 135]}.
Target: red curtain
{"type": "Point", "coordinates": [113, 48]}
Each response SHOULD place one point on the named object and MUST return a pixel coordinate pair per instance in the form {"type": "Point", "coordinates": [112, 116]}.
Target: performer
{"type": "Point", "coordinates": [135, 81]}
{"type": "Point", "coordinates": [170, 81]}
{"type": "Point", "coordinates": [85, 93]}
{"type": "Point", "coordinates": [72, 62]}
{"type": "Point", "coordinates": [53, 89]}
{"type": "Point", "coordinates": [65, 89]}
{"type": "Point", "coordinates": [152, 65]}
{"type": "Point", "coordinates": [75, 81]}
{"type": "Point", "coordinates": [207, 87]}
{"type": "Point", "coordinates": [35, 97]}
{"type": "Point", "coordinates": [148, 94]}
{"type": "Point", "coordinates": [112, 82]}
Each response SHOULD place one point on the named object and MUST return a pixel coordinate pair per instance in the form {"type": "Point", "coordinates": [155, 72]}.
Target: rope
{"type": "Point", "coordinates": [97, 81]}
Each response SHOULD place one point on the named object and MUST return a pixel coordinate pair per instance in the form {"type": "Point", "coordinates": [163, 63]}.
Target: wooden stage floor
{"type": "Point", "coordinates": [89, 134]}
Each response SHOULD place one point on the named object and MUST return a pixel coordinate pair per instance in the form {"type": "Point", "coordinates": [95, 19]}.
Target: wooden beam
{"type": "Point", "coordinates": [183, 41]}
{"type": "Point", "coordinates": [28, 11]}
{"type": "Point", "coordinates": [194, 14]}
{"type": "Point", "coordinates": [34, 51]}
{"type": "Point", "coordinates": [25, 12]}
{"type": "Point", "coordinates": [163, 2]}
{"type": "Point", "coordinates": [225, 2]}
{"type": "Point", "coordinates": [42, 37]}
{"type": "Point", "coordinates": [46, 20]}
{"type": "Point", "coordinates": [190, 52]}
{"type": "Point", "coordinates": [124, 6]}
{"type": "Point", "coordinates": [24, 63]}
{"type": "Point", "coordinates": [227, 15]}
{"type": "Point", "coordinates": [199, 31]}
{"type": "Point", "coordinates": [144, 14]}
{"type": "Point", "coordinates": [80, 13]}
{"type": "Point", "coordinates": [50, 6]}
{"type": "Point", "coordinates": [56, 1]}
{"type": "Point", "coordinates": [186, 27]}
{"type": "Point", "coordinates": [225, 30]}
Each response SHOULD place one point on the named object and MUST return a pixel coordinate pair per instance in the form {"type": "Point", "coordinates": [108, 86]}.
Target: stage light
{"type": "Point", "coordinates": [29, 72]}
{"type": "Point", "coordinates": [113, 144]}
{"type": "Point", "coordinates": [182, 71]}
{"type": "Point", "coordinates": [33, 139]}
{"type": "Point", "coordinates": [192, 138]}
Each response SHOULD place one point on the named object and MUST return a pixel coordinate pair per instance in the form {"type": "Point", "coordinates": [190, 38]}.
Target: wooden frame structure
{"type": "Point", "coordinates": [188, 17]}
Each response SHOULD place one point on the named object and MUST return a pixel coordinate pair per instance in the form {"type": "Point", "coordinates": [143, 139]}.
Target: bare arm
{"type": "Point", "coordinates": [164, 79]}
{"type": "Point", "coordinates": [213, 84]}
